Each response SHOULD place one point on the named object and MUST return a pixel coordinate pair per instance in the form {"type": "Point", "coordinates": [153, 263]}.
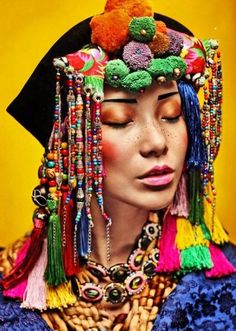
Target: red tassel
{"type": "Point", "coordinates": [21, 271]}
{"type": "Point", "coordinates": [71, 263]}
{"type": "Point", "coordinates": [169, 259]}
{"type": "Point", "coordinates": [221, 266]}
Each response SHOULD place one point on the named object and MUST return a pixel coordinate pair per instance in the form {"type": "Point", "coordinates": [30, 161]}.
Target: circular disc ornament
{"type": "Point", "coordinates": [135, 283]}
{"type": "Point", "coordinates": [91, 292]}
{"type": "Point", "coordinates": [39, 196]}
{"type": "Point", "coordinates": [115, 293]}
{"type": "Point", "coordinates": [119, 272]}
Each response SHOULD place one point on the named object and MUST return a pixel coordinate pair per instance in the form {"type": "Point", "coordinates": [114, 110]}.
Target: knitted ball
{"type": "Point", "coordinates": [160, 44]}
{"type": "Point", "coordinates": [137, 81]}
{"type": "Point", "coordinates": [178, 65]}
{"type": "Point", "coordinates": [142, 29]}
{"type": "Point", "coordinates": [161, 27]}
{"type": "Point", "coordinates": [134, 8]}
{"type": "Point", "coordinates": [176, 43]}
{"type": "Point", "coordinates": [137, 55]}
{"type": "Point", "coordinates": [115, 72]}
{"type": "Point", "coordinates": [160, 67]}
{"type": "Point", "coordinates": [110, 30]}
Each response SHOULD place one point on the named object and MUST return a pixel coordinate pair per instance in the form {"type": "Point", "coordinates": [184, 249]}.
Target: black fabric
{"type": "Point", "coordinates": [33, 107]}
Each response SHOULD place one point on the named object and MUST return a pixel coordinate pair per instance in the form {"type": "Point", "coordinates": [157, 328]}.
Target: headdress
{"type": "Point", "coordinates": [128, 47]}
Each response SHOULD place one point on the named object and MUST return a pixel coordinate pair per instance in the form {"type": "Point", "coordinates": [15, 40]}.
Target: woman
{"type": "Point", "coordinates": [116, 229]}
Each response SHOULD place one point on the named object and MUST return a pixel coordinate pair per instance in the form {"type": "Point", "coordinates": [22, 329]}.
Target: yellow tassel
{"type": "Point", "coordinates": [218, 234]}
{"type": "Point", "coordinates": [60, 296]}
{"type": "Point", "coordinates": [189, 235]}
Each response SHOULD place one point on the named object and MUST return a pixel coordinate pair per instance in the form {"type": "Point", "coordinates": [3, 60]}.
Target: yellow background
{"type": "Point", "coordinates": [29, 28]}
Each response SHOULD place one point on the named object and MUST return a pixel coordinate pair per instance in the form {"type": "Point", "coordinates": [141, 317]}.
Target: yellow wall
{"type": "Point", "coordinates": [28, 29]}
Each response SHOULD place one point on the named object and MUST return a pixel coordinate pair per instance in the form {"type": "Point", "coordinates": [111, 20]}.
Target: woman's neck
{"type": "Point", "coordinates": [127, 223]}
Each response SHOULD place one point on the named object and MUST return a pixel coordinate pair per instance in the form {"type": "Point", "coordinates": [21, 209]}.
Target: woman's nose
{"type": "Point", "coordinates": [153, 140]}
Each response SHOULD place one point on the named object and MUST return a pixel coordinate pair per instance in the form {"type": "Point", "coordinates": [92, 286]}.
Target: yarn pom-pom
{"type": "Point", "coordinates": [142, 29]}
{"type": "Point", "coordinates": [161, 27]}
{"type": "Point", "coordinates": [137, 55]}
{"type": "Point", "coordinates": [160, 44]}
{"type": "Point", "coordinates": [110, 30]}
{"type": "Point", "coordinates": [134, 8]}
{"type": "Point", "coordinates": [159, 68]}
{"type": "Point", "coordinates": [115, 72]}
{"type": "Point", "coordinates": [137, 81]}
{"type": "Point", "coordinates": [179, 66]}
{"type": "Point", "coordinates": [176, 43]}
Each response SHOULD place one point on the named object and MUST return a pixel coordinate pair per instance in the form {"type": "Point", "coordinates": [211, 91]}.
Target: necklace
{"type": "Point", "coordinates": [121, 281]}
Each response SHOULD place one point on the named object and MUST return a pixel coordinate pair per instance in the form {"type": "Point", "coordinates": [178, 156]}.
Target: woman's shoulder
{"type": "Point", "coordinates": [200, 303]}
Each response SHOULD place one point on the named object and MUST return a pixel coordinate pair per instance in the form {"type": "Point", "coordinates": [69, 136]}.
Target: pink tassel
{"type": "Point", "coordinates": [35, 293]}
{"type": "Point", "coordinates": [180, 205]}
{"type": "Point", "coordinates": [221, 266]}
{"type": "Point", "coordinates": [169, 259]}
{"type": "Point", "coordinates": [18, 290]}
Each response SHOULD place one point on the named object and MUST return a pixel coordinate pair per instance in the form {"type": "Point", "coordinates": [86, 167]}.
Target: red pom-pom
{"type": "Point", "coordinates": [110, 30]}
{"type": "Point", "coordinates": [134, 8]}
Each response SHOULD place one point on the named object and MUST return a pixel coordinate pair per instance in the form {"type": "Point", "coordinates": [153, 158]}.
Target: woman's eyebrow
{"type": "Point", "coordinates": [121, 100]}
{"type": "Point", "coordinates": [166, 95]}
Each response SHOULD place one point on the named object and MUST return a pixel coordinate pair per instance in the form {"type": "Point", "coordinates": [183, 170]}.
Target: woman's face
{"type": "Point", "coordinates": [144, 145]}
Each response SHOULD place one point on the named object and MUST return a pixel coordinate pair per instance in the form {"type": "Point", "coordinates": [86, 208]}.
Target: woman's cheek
{"type": "Point", "coordinates": [110, 151]}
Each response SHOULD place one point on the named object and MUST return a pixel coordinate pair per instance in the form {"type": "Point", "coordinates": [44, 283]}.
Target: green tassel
{"type": "Point", "coordinates": [54, 274]}
{"type": "Point", "coordinates": [195, 258]}
{"type": "Point", "coordinates": [196, 209]}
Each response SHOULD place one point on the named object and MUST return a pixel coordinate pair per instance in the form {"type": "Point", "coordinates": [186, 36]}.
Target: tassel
{"type": "Point", "coordinates": [189, 235]}
{"type": "Point", "coordinates": [71, 263]}
{"type": "Point", "coordinates": [17, 291]}
{"type": "Point", "coordinates": [218, 234]}
{"type": "Point", "coordinates": [83, 243]}
{"type": "Point", "coordinates": [54, 274]}
{"type": "Point", "coordinates": [196, 154]}
{"type": "Point", "coordinates": [21, 271]}
{"type": "Point", "coordinates": [35, 294]}
{"type": "Point", "coordinates": [180, 205]}
{"type": "Point", "coordinates": [195, 258]}
{"type": "Point", "coordinates": [60, 296]}
{"type": "Point", "coordinates": [169, 259]}
{"type": "Point", "coordinates": [195, 198]}
{"type": "Point", "coordinates": [221, 266]}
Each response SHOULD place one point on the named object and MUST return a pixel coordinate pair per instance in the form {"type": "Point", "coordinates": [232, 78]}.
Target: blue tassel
{"type": "Point", "coordinates": [196, 154]}
{"type": "Point", "coordinates": [83, 236]}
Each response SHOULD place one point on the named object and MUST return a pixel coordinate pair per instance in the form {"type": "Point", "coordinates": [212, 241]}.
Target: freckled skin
{"type": "Point", "coordinates": [150, 137]}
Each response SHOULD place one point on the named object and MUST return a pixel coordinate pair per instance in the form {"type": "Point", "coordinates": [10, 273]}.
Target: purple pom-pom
{"type": "Point", "coordinates": [176, 43]}
{"type": "Point", "coordinates": [137, 55]}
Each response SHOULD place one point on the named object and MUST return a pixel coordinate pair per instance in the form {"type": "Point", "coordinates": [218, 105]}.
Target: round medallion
{"type": "Point", "coordinates": [39, 196]}
{"type": "Point", "coordinates": [135, 283]}
{"type": "Point", "coordinates": [115, 293]}
{"type": "Point", "coordinates": [91, 292]}
{"type": "Point", "coordinates": [152, 230]}
{"type": "Point", "coordinates": [155, 255]}
{"type": "Point", "coordinates": [96, 269]}
{"type": "Point", "coordinates": [119, 272]}
{"type": "Point", "coordinates": [149, 269]}
{"type": "Point", "coordinates": [144, 242]}
{"type": "Point", "coordinates": [136, 259]}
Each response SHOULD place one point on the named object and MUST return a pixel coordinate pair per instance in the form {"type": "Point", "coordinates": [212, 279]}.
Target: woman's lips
{"type": "Point", "coordinates": [158, 176]}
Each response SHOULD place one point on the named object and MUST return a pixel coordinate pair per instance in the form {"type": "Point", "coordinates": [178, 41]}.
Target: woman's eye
{"type": "Point", "coordinates": [116, 125]}
{"type": "Point", "coordinates": [171, 119]}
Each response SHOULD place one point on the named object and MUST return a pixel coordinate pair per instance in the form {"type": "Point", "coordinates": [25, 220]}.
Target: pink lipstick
{"type": "Point", "coordinates": [158, 176]}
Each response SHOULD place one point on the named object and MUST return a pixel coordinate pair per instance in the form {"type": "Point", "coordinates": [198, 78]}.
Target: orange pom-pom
{"type": "Point", "coordinates": [134, 8]}
{"type": "Point", "coordinates": [160, 44]}
{"type": "Point", "coordinates": [110, 30]}
{"type": "Point", "coordinates": [161, 27]}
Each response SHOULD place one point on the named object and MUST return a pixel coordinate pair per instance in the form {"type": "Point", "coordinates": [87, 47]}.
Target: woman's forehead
{"type": "Point", "coordinates": [155, 88]}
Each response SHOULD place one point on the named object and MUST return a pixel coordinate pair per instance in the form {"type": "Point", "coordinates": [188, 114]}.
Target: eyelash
{"type": "Point", "coordinates": [172, 119]}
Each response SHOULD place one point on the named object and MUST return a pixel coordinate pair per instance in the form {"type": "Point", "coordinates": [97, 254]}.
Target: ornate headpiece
{"type": "Point", "coordinates": [129, 49]}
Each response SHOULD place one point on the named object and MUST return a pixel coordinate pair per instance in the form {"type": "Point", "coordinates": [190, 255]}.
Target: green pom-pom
{"type": "Point", "coordinates": [178, 65]}
{"type": "Point", "coordinates": [115, 72]}
{"type": "Point", "coordinates": [195, 258]}
{"type": "Point", "coordinates": [137, 81]}
{"type": "Point", "coordinates": [160, 67]}
{"type": "Point", "coordinates": [142, 29]}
